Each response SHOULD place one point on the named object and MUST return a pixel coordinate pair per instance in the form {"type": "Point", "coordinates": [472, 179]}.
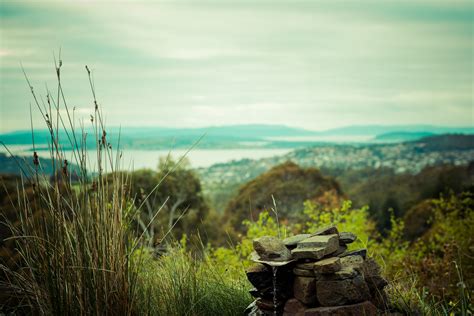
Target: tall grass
{"type": "Point", "coordinates": [79, 254]}
{"type": "Point", "coordinates": [179, 284]}
{"type": "Point", "coordinates": [73, 236]}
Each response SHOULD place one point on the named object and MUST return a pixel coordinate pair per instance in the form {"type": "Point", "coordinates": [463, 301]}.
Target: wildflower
{"type": "Point", "coordinates": [35, 159]}
{"type": "Point", "coordinates": [65, 167]}
{"type": "Point", "coordinates": [104, 142]}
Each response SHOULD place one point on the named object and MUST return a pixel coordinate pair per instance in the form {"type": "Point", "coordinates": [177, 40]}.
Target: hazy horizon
{"type": "Point", "coordinates": [309, 65]}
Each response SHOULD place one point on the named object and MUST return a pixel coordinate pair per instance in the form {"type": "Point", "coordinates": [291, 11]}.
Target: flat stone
{"type": "Point", "coordinates": [256, 258]}
{"type": "Point", "coordinates": [361, 309]}
{"type": "Point", "coordinates": [328, 230]}
{"type": "Point", "coordinates": [343, 274]}
{"type": "Point", "coordinates": [271, 248]}
{"type": "Point", "coordinates": [294, 307]}
{"type": "Point", "coordinates": [304, 290]}
{"type": "Point", "coordinates": [322, 241]}
{"type": "Point", "coordinates": [358, 252]}
{"type": "Point", "coordinates": [347, 238]}
{"type": "Point", "coordinates": [308, 253]}
{"type": "Point", "coordinates": [293, 240]}
{"type": "Point", "coordinates": [354, 261]}
{"type": "Point", "coordinates": [329, 265]}
{"type": "Point", "coordinates": [305, 265]}
{"type": "Point", "coordinates": [303, 272]}
{"type": "Point", "coordinates": [342, 292]}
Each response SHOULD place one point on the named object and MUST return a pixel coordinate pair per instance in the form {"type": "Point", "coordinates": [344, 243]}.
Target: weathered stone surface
{"type": "Point", "coordinates": [316, 247]}
{"type": "Point", "coordinates": [303, 272]}
{"type": "Point", "coordinates": [342, 292]}
{"type": "Point", "coordinates": [352, 261]}
{"type": "Point", "coordinates": [347, 238]}
{"type": "Point", "coordinates": [371, 271]}
{"type": "Point", "coordinates": [329, 265]}
{"type": "Point", "coordinates": [308, 253]}
{"type": "Point", "coordinates": [271, 248]}
{"type": "Point", "coordinates": [259, 275]}
{"type": "Point", "coordinates": [293, 240]}
{"type": "Point", "coordinates": [344, 273]}
{"type": "Point", "coordinates": [305, 265]}
{"type": "Point", "coordinates": [361, 309]}
{"type": "Point", "coordinates": [304, 289]}
{"type": "Point", "coordinates": [358, 252]}
{"type": "Point", "coordinates": [340, 250]}
{"type": "Point", "coordinates": [294, 307]}
{"type": "Point", "coordinates": [322, 241]}
{"type": "Point", "coordinates": [328, 230]}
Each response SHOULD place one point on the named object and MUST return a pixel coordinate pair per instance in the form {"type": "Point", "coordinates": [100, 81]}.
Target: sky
{"type": "Point", "coordinates": [315, 64]}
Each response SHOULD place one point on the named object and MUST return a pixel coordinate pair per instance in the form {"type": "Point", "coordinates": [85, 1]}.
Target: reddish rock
{"type": "Point", "coordinates": [361, 309]}
{"type": "Point", "coordinates": [294, 307]}
{"type": "Point", "coordinates": [304, 289]}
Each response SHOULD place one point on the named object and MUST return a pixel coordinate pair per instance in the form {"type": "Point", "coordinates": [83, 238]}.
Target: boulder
{"type": "Point", "coordinates": [352, 261]}
{"type": "Point", "coordinates": [361, 309]}
{"type": "Point", "coordinates": [329, 265]}
{"type": "Point", "coordinates": [271, 248]}
{"type": "Point", "coordinates": [347, 238]}
{"type": "Point", "coordinates": [291, 242]}
{"type": "Point", "coordinates": [304, 289]}
{"type": "Point", "coordinates": [342, 292]}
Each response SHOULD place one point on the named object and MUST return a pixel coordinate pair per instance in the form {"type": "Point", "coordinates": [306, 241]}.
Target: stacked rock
{"type": "Point", "coordinates": [314, 274]}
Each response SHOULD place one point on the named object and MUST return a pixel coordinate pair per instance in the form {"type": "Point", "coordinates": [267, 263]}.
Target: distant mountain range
{"type": "Point", "coordinates": [243, 136]}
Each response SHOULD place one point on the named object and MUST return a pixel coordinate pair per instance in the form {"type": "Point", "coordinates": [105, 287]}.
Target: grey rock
{"type": "Point", "coordinates": [320, 241]}
{"type": "Point", "coordinates": [347, 238]}
{"type": "Point", "coordinates": [358, 252]}
{"type": "Point", "coordinates": [316, 247]}
{"type": "Point", "coordinates": [329, 265]}
{"type": "Point", "coordinates": [311, 253]}
{"type": "Point", "coordinates": [304, 290]}
{"type": "Point", "coordinates": [305, 265]}
{"type": "Point", "coordinates": [293, 240]}
{"type": "Point", "coordinates": [303, 272]}
{"type": "Point", "coordinates": [271, 248]}
{"type": "Point", "coordinates": [352, 261]}
{"type": "Point", "coordinates": [328, 230]}
{"type": "Point", "coordinates": [342, 292]}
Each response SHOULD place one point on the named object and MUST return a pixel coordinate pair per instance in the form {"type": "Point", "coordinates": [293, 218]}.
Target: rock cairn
{"type": "Point", "coordinates": [314, 274]}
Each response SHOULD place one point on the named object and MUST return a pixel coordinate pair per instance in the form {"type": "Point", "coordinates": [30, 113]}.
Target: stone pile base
{"type": "Point", "coordinates": [309, 275]}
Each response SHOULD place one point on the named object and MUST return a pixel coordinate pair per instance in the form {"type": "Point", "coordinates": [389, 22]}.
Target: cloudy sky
{"type": "Point", "coordinates": [310, 64]}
